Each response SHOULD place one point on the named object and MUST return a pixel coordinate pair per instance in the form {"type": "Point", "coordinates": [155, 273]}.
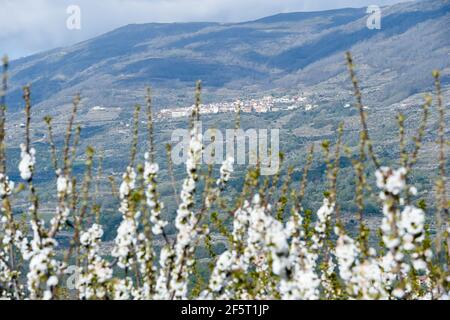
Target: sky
{"type": "Point", "coordinates": [31, 26]}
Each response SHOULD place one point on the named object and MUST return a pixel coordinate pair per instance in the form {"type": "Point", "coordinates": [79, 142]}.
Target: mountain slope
{"type": "Point", "coordinates": [282, 52]}
{"type": "Point", "coordinates": [286, 53]}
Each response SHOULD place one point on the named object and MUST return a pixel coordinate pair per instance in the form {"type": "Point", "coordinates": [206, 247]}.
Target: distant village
{"type": "Point", "coordinates": [265, 104]}
{"type": "Point", "coordinates": [262, 105]}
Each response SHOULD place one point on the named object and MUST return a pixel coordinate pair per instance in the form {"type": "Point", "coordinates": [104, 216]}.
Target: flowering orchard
{"type": "Point", "coordinates": [275, 248]}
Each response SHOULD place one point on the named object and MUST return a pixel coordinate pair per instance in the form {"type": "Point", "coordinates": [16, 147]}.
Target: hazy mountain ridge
{"type": "Point", "coordinates": [281, 52]}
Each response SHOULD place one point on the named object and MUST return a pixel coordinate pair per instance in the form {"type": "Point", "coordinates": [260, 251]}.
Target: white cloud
{"type": "Point", "coordinates": [29, 26]}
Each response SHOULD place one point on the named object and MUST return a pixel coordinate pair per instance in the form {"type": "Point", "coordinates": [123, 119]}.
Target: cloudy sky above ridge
{"type": "Point", "coordinates": [31, 26]}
